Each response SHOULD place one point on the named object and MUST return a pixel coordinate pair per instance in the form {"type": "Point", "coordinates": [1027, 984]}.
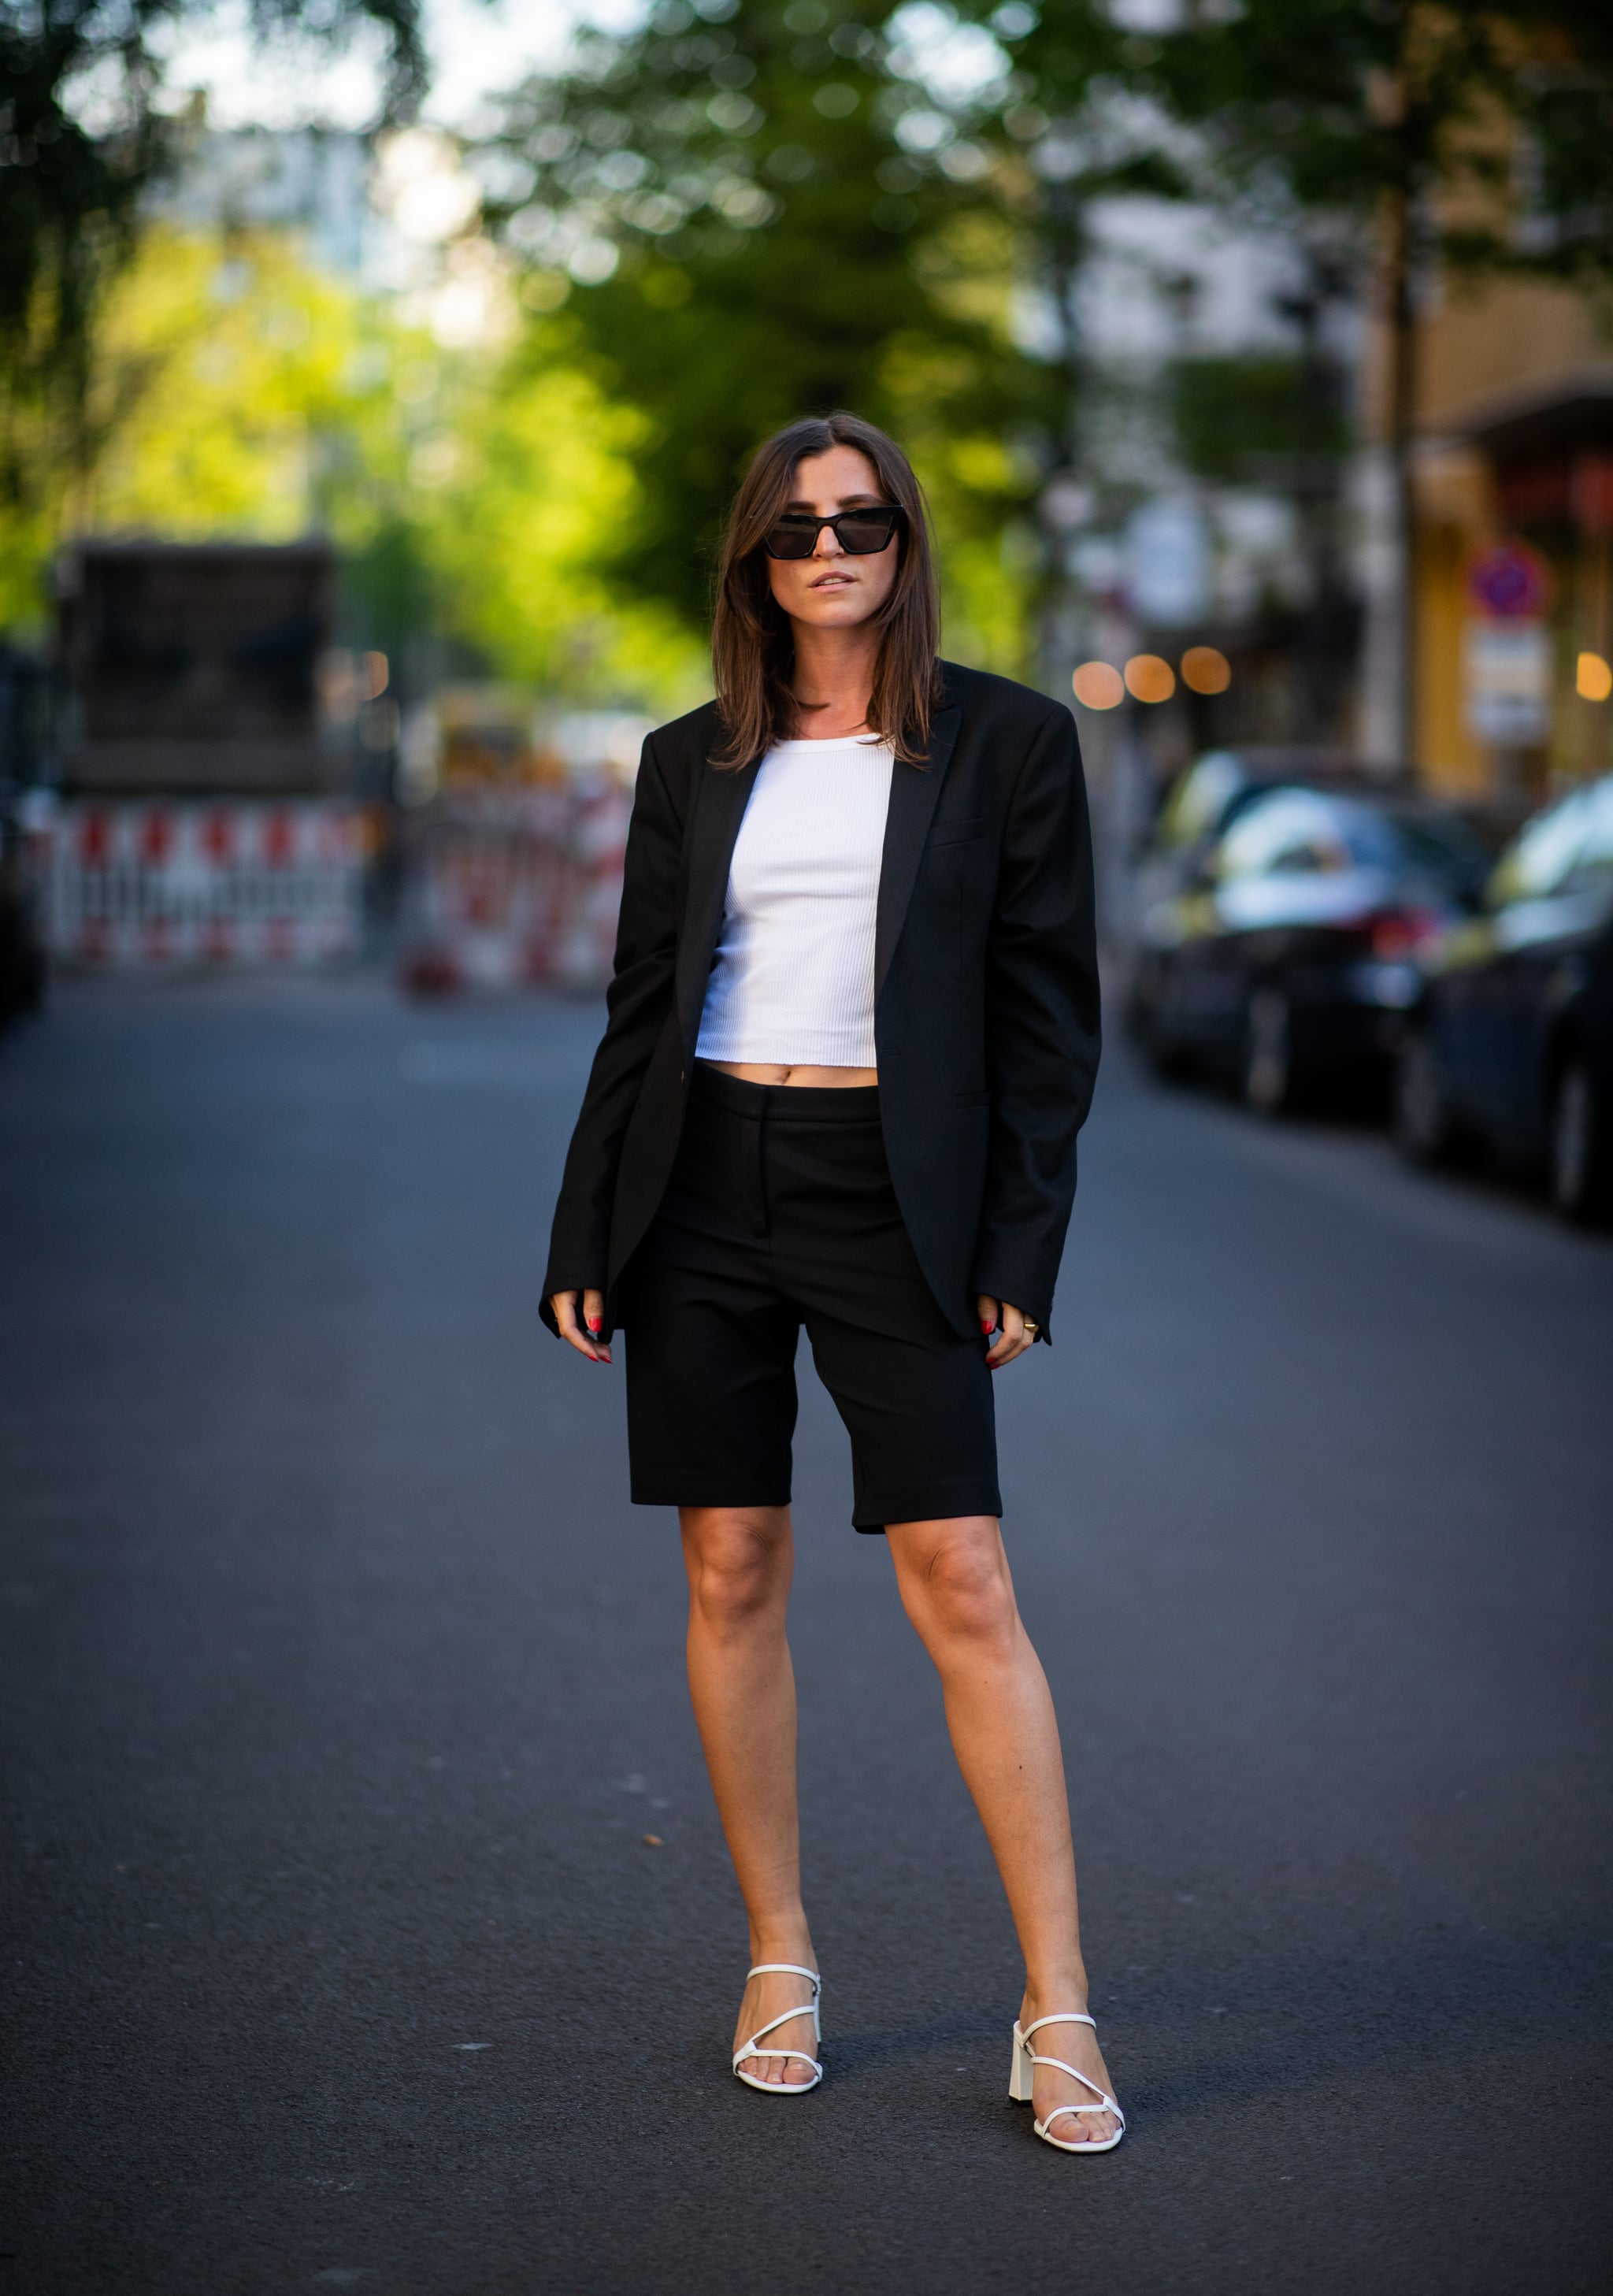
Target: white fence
{"type": "Point", "coordinates": [157, 882]}
{"type": "Point", "coordinates": [510, 889]}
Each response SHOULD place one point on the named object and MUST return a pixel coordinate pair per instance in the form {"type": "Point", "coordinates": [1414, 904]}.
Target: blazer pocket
{"type": "Point", "coordinates": [956, 832]}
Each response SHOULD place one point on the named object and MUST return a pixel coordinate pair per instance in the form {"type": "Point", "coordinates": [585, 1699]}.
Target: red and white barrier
{"type": "Point", "coordinates": [135, 882]}
{"type": "Point", "coordinates": [515, 888]}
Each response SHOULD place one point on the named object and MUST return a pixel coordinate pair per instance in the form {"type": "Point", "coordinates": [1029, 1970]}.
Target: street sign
{"type": "Point", "coordinates": [1508, 682]}
{"type": "Point", "coordinates": [1509, 582]}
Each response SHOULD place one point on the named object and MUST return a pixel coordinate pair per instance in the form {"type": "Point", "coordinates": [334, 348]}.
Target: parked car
{"type": "Point", "coordinates": [1509, 1046]}
{"type": "Point", "coordinates": [1202, 802]}
{"type": "Point", "coordinates": [25, 698]}
{"type": "Point", "coordinates": [1286, 953]}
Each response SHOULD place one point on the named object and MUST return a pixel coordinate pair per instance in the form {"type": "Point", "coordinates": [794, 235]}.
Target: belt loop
{"type": "Point", "coordinates": [761, 1160]}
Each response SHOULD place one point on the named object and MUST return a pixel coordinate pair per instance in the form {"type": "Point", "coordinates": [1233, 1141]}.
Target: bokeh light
{"type": "Point", "coordinates": [1150, 677]}
{"type": "Point", "coordinates": [1206, 671]}
{"type": "Point", "coordinates": [1592, 677]}
{"type": "Point", "coordinates": [1097, 685]}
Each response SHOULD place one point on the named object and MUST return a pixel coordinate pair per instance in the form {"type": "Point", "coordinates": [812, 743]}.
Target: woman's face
{"type": "Point", "coordinates": [831, 590]}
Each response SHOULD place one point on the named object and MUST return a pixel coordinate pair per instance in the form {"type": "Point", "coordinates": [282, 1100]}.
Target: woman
{"type": "Point", "coordinates": [853, 1033]}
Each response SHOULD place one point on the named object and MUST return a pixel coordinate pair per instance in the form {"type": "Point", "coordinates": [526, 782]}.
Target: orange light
{"type": "Point", "coordinates": [1150, 677]}
{"type": "Point", "coordinates": [375, 672]}
{"type": "Point", "coordinates": [1592, 677]}
{"type": "Point", "coordinates": [1097, 685]}
{"type": "Point", "coordinates": [1206, 671]}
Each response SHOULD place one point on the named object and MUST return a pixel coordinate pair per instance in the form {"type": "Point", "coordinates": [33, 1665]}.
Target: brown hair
{"type": "Point", "coordinates": [752, 650]}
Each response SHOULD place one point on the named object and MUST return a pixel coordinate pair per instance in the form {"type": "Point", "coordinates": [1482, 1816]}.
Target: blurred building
{"type": "Point", "coordinates": [312, 182]}
{"type": "Point", "coordinates": [1513, 495]}
{"type": "Point", "coordinates": [1209, 511]}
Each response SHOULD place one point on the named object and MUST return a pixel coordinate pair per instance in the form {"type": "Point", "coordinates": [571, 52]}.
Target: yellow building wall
{"type": "Point", "coordinates": [1476, 349]}
{"type": "Point", "coordinates": [1505, 335]}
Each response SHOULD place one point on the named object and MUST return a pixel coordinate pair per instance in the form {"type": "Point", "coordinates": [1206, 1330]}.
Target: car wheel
{"type": "Point", "coordinates": [1166, 1057]}
{"type": "Point", "coordinates": [1268, 1059]}
{"type": "Point", "coordinates": [1151, 1035]}
{"type": "Point", "coordinates": [1580, 1158]}
{"type": "Point", "coordinates": [1424, 1121]}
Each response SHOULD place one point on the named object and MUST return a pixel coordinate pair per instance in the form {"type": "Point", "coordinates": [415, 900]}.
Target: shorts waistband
{"type": "Point", "coordinates": [812, 1104]}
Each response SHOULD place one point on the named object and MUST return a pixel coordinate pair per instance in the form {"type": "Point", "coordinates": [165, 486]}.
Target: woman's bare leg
{"type": "Point", "coordinates": [957, 1590]}
{"type": "Point", "coordinates": [740, 1562]}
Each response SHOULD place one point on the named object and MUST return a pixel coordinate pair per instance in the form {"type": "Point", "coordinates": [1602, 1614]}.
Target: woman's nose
{"type": "Point", "coordinates": [828, 544]}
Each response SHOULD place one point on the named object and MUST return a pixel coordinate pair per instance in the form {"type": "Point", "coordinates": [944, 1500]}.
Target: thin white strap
{"type": "Point", "coordinates": [773, 2023]}
{"type": "Point", "coordinates": [750, 2050]}
{"type": "Point", "coordinates": [1068, 2017]}
{"type": "Point", "coordinates": [791, 1969]}
{"type": "Point", "coordinates": [1108, 2105]}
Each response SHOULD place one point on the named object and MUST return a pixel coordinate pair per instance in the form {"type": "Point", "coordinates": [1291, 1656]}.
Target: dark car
{"type": "Point", "coordinates": [1217, 785]}
{"type": "Point", "coordinates": [1511, 1044]}
{"type": "Point", "coordinates": [1287, 954]}
{"type": "Point", "coordinates": [25, 697]}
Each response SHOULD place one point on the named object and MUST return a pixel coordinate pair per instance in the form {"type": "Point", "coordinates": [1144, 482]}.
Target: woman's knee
{"type": "Point", "coordinates": [738, 1562]}
{"type": "Point", "coordinates": [963, 1588]}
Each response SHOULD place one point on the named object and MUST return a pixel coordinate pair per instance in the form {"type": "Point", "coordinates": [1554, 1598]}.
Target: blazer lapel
{"type": "Point", "coordinates": [914, 792]}
{"type": "Point", "coordinates": [719, 808]}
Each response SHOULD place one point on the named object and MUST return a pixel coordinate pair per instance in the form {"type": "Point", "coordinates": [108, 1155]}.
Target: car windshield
{"type": "Point", "coordinates": [1310, 832]}
{"type": "Point", "coordinates": [1594, 863]}
{"type": "Point", "coordinates": [1288, 832]}
{"type": "Point", "coordinates": [1545, 855]}
{"type": "Point", "coordinates": [1198, 800]}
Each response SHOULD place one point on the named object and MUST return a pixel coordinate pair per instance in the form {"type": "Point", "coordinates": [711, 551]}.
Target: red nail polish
{"type": "Point", "coordinates": [594, 1324]}
{"type": "Point", "coordinates": [987, 1328]}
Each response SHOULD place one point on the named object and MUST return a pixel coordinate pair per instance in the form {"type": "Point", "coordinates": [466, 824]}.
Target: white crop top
{"type": "Point", "coordinates": [792, 981]}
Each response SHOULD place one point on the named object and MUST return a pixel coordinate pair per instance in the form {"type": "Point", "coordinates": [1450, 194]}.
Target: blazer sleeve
{"type": "Point", "coordinates": [638, 1001]}
{"type": "Point", "coordinates": [1042, 1025]}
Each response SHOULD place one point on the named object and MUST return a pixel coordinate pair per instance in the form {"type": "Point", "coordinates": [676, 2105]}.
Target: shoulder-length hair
{"type": "Point", "coordinates": [752, 649]}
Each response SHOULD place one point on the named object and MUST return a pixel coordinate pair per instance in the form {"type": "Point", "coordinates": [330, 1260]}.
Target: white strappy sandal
{"type": "Point", "coordinates": [1021, 2079]}
{"type": "Point", "coordinates": [807, 2009]}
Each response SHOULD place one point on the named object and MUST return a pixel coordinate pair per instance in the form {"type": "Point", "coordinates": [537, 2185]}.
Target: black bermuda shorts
{"type": "Point", "coordinates": [781, 1212]}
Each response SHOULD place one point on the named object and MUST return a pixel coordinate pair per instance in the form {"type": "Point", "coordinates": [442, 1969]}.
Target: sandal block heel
{"type": "Point", "coordinates": [1021, 2070]}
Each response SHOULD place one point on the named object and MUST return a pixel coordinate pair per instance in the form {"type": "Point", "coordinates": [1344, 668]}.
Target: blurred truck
{"type": "Point", "coordinates": [193, 666]}
{"type": "Point", "coordinates": [204, 817]}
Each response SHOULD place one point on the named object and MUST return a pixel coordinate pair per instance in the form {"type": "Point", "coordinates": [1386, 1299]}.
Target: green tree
{"type": "Point", "coordinates": [513, 512]}
{"type": "Point", "coordinates": [71, 197]}
{"type": "Point", "coordinates": [750, 215]}
{"type": "Point", "coordinates": [230, 391]}
{"type": "Point", "coordinates": [475, 495]}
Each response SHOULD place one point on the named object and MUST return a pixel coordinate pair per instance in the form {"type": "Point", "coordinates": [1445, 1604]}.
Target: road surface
{"type": "Point", "coordinates": [342, 1688]}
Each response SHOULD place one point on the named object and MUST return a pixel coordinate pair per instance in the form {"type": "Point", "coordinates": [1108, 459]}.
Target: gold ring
{"type": "Point", "coordinates": [1030, 1326]}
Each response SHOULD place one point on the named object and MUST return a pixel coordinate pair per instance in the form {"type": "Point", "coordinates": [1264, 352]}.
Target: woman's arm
{"type": "Point", "coordinates": [638, 1000]}
{"type": "Point", "coordinates": [1042, 1024]}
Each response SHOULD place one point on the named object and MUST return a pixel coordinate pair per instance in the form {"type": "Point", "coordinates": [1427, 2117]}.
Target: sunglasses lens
{"type": "Point", "coordinates": [791, 537]}
{"type": "Point", "coordinates": [863, 532]}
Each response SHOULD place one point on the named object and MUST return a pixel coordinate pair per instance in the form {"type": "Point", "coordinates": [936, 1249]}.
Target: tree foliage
{"type": "Point", "coordinates": [69, 194]}
{"type": "Point", "coordinates": [754, 215]}
{"type": "Point", "coordinates": [237, 392]}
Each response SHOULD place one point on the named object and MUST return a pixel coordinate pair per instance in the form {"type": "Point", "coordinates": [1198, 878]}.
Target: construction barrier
{"type": "Point", "coordinates": [513, 888]}
{"type": "Point", "coordinates": [130, 884]}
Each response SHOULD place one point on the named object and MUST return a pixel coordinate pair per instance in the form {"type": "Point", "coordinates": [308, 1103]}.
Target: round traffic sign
{"type": "Point", "coordinates": [1510, 581]}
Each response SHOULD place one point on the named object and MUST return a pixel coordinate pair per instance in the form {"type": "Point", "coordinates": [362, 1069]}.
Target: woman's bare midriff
{"type": "Point", "coordinates": [780, 1072]}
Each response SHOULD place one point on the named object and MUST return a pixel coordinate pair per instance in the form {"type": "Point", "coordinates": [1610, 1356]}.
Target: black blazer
{"type": "Point", "coordinates": [985, 984]}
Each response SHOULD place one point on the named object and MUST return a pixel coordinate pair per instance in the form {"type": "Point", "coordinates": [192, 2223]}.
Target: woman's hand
{"type": "Point", "coordinates": [586, 1342]}
{"type": "Point", "coordinates": [1013, 1334]}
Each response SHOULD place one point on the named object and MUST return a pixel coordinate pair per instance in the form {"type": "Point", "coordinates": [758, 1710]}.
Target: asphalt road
{"type": "Point", "coordinates": [341, 1687]}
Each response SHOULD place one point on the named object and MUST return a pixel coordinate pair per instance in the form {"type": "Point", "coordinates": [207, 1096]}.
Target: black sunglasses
{"type": "Point", "coordinates": [860, 533]}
